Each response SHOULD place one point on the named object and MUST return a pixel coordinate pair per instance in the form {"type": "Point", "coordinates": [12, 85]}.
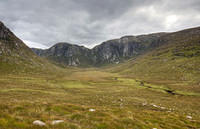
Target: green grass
{"type": "Point", "coordinates": [118, 101]}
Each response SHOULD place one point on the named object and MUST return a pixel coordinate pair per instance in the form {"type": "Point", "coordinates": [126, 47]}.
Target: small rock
{"type": "Point", "coordinates": [57, 122]}
{"type": "Point", "coordinates": [189, 117]}
{"type": "Point", "coordinates": [92, 110]}
{"type": "Point", "coordinates": [154, 105]}
{"type": "Point", "coordinates": [154, 128]}
{"type": "Point", "coordinates": [39, 123]}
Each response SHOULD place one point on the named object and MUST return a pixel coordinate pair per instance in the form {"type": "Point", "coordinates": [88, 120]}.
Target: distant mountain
{"type": "Point", "coordinates": [112, 51]}
{"type": "Point", "coordinates": [67, 54]}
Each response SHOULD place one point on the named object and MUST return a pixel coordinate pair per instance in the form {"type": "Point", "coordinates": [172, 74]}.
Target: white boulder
{"type": "Point", "coordinates": [39, 123]}
{"type": "Point", "coordinates": [189, 117]}
{"type": "Point", "coordinates": [92, 110]}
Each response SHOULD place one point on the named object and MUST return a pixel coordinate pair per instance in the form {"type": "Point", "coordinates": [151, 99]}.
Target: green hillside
{"type": "Point", "coordinates": [176, 63]}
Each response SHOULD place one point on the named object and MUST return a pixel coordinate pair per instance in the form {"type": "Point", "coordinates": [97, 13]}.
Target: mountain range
{"type": "Point", "coordinates": [158, 56]}
{"type": "Point", "coordinates": [113, 51]}
{"type": "Point", "coordinates": [109, 52]}
{"type": "Point", "coordinates": [179, 44]}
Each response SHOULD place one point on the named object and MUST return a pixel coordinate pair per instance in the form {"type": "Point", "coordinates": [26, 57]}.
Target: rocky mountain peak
{"type": "Point", "coordinates": [4, 31]}
{"type": "Point", "coordinates": [10, 45]}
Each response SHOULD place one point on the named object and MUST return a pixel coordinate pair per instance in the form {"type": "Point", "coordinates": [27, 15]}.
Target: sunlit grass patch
{"type": "Point", "coordinates": [71, 84]}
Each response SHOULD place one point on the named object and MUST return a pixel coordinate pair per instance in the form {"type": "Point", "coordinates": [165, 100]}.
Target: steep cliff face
{"type": "Point", "coordinates": [117, 50]}
{"type": "Point", "coordinates": [112, 51]}
{"type": "Point", "coordinates": [5, 33]}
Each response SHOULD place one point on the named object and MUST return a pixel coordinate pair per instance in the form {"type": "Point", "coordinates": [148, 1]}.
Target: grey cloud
{"type": "Point", "coordinates": [89, 22]}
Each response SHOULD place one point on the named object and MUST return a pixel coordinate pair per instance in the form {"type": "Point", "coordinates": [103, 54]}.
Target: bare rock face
{"type": "Point", "coordinates": [114, 51]}
{"type": "Point", "coordinates": [4, 35]}
{"type": "Point", "coordinates": [4, 32]}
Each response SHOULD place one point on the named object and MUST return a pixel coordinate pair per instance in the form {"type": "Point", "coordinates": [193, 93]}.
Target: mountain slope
{"type": "Point", "coordinates": [10, 45]}
{"type": "Point", "coordinates": [177, 60]}
{"type": "Point", "coordinates": [15, 56]}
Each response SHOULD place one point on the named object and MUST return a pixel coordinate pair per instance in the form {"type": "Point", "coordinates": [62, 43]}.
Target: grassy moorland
{"type": "Point", "coordinates": [119, 102]}
{"type": "Point", "coordinates": [159, 89]}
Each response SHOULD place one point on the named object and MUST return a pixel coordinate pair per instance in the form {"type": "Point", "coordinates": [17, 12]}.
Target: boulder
{"type": "Point", "coordinates": [39, 123]}
{"type": "Point", "coordinates": [92, 110]}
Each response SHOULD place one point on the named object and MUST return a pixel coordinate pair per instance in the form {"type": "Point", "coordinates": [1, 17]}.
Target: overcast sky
{"type": "Point", "coordinates": [42, 23]}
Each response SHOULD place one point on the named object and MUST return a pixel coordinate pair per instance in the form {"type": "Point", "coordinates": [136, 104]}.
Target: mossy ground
{"type": "Point", "coordinates": [120, 102]}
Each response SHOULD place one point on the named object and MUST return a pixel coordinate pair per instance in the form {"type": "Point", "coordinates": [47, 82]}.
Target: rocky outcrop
{"type": "Point", "coordinates": [4, 32]}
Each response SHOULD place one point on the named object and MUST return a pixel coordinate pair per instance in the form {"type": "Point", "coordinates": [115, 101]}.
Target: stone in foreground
{"type": "Point", "coordinates": [92, 110]}
{"type": "Point", "coordinates": [39, 123]}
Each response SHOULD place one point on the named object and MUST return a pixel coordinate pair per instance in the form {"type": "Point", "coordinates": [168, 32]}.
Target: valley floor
{"type": "Point", "coordinates": [117, 102]}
